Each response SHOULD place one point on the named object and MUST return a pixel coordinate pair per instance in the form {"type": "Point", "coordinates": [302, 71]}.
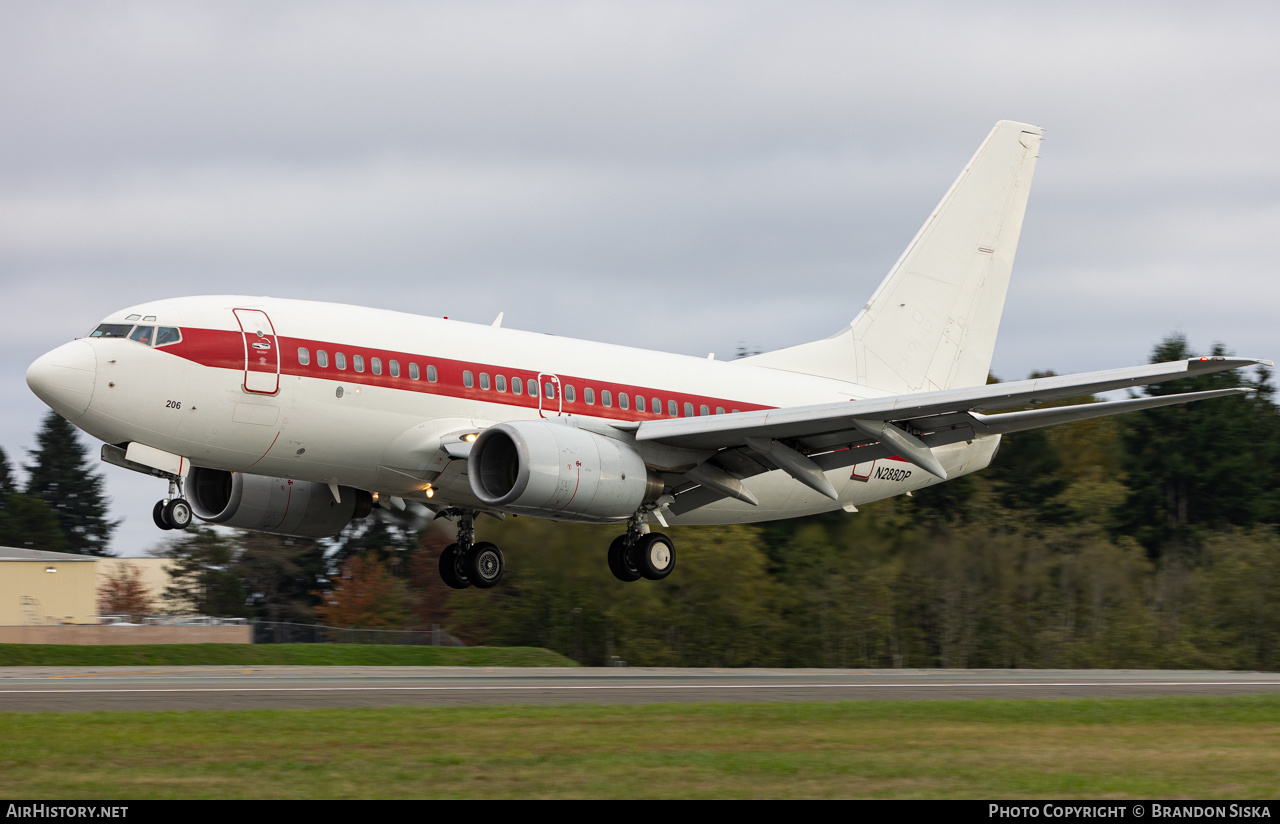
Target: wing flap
{"type": "Point", "coordinates": [1035, 418]}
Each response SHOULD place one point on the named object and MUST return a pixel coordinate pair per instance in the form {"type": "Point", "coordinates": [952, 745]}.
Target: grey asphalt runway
{"type": "Point", "coordinates": [36, 689]}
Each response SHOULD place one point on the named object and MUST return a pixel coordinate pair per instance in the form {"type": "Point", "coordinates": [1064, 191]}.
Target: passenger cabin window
{"type": "Point", "coordinates": [394, 368]}
{"type": "Point", "coordinates": [550, 389]}
{"type": "Point", "coordinates": [517, 386]}
{"type": "Point", "coordinates": [339, 360]}
{"type": "Point", "coordinates": [112, 330]}
{"type": "Point", "coordinates": [657, 406]}
{"type": "Point", "coordinates": [304, 357]}
{"type": "Point", "coordinates": [484, 381]}
{"type": "Point", "coordinates": [569, 394]}
{"type": "Point", "coordinates": [688, 410]}
{"type": "Point", "coordinates": [606, 398]}
{"type": "Point", "coordinates": [143, 334]}
{"type": "Point", "coordinates": [166, 335]}
{"type": "Point", "coordinates": [589, 395]}
{"type": "Point", "coordinates": [719, 410]}
{"type": "Point", "coordinates": [431, 373]}
{"type": "Point", "coordinates": [640, 403]}
{"type": "Point", "coordinates": [673, 409]}
{"type": "Point", "coordinates": [375, 365]}
{"type": "Point", "coordinates": [623, 401]}
{"type": "Point", "coordinates": [468, 380]}
{"type": "Point", "coordinates": [703, 410]}
{"type": "Point", "coordinates": [322, 359]}
{"type": "Point", "coordinates": [413, 372]}
{"type": "Point", "coordinates": [532, 385]}
{"type": "Point", "coordinates": [500, 383]}
{"type": "Point", "coordinates": [358, 362]}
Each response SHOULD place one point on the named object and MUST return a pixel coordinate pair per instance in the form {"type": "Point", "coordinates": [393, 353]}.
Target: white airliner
{"type": "Point", "coordinates": [295, 417]}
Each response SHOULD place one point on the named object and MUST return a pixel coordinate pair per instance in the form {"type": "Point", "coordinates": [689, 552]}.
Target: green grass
{"type": "Point", "coordinates": [338, 655]}
{"type": "Point", "coordinates": [1100, 749]}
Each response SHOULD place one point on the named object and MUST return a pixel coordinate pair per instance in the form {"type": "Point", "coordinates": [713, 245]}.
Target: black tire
{"type": "Point", "coordinates": [484, 565]}
{"type": "Point", "coordinates": [178, 513]}
{"type": "Point", "coordinates": [654, 556]}
{"type": "Point", "coordinates": [157, 515]}
{"type": "Point", "coordinates": [619, 562]}
{"type": "Point", "coordinates": [449, 572]}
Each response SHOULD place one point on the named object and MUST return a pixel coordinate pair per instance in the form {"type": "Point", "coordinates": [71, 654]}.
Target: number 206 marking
{"type": "Point", "coordinates": [173, 404]}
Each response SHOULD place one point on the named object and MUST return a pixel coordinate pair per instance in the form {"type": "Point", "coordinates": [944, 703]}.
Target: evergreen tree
{"type": "Point", "coordinates": [60, 475]}
{"type": "Point", "coordinates": [6, 477]}
{"type": "Point", "coordinates": [203, 579]}
{"type": "Point", "coordinates": [281, 575]}
{"type": "Point", "coordinates": [1203, 465]}
{"type": "Point", "coordinates": [27, 522]}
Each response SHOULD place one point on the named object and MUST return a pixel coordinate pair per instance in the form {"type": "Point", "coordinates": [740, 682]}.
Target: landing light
{"type": "Point", "coordinates": [470, 438]}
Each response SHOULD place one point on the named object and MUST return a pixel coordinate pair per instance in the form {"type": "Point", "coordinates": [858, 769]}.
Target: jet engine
{"type": "Point", "coordinates": [277, 505]}
{"type": "Point", "coordinates": [555, 470]}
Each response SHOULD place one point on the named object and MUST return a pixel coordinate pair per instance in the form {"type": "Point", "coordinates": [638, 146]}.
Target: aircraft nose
{"type": "Point", "coordinates": [64, 378]}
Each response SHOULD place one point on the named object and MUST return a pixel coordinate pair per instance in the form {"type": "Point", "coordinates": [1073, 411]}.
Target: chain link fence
{"type": "Point", "coordinates": [280, 632]}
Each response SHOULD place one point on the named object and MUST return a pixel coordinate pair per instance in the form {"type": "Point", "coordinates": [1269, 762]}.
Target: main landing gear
{"type": "Point", "coordinates": [173, 512]}
{"type": "Point", "coordinates": [641, 554]}
{"type": "Point", "coordinates": [467, 563]}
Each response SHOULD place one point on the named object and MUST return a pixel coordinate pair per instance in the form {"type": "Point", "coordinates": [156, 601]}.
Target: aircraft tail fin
{"type": "Point", "coordinates": [932, 322]}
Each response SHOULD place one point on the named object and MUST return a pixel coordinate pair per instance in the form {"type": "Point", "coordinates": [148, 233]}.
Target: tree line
{"type": "Point", "coordinates": [1143, 540]}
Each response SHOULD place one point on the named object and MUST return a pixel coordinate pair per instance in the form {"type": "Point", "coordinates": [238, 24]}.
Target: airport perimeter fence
{"type": "Point", "coordinates": [281, 632]}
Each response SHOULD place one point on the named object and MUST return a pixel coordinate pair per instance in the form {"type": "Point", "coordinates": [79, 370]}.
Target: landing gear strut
{"type": "Point", "coordinates": [641, 554]}
{"type": "Point", "coordinates": [467, 563]}
{"type": "Point", "coordinates": [173, 512]}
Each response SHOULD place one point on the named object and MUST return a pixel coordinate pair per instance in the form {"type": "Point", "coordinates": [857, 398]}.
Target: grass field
{"type": "Point", "coordinates": [314, 655]}
{"type": "Point", "coordinates": [1222, 748]}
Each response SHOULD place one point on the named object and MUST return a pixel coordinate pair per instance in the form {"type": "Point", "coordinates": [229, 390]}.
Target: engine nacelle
{"type": "Point", "coordinates": [277, 505]}
{"type": "Point", "coordinates": [555, 470]}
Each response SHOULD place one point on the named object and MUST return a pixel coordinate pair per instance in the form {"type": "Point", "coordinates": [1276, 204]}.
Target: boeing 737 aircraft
{"type": "Point", "coordinates": [294, 417]}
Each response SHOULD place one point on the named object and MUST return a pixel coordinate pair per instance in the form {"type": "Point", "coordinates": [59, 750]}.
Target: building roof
{"type": "Point", "coordinates": [11, 553]}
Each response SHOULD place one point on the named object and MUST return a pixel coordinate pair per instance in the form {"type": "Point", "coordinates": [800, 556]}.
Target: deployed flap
{"type": "Point", "coordinates": [1036, 418]}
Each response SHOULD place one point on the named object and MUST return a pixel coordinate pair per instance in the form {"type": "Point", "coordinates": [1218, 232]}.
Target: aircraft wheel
{"type": "Point", "coordinates": [654, 556]}
{"type": "Point", "coordinates": [449, 568]}
{"type": "Point", "coordinates": [619, 564]}
{"type": "Point", "coordinates": [178, 513]}
{"type": "Point", "coordinates": [157, 515]}
{"type": "Point", "coordinates": [484, 565]}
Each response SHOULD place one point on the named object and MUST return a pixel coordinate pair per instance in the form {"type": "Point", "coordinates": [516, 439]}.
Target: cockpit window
{"type": "Point", "coordinates": [112, 330]}
{"type": "Point", "coordinates": [143, 334]}
{"type": "Point", "coordinates": [167, 334]}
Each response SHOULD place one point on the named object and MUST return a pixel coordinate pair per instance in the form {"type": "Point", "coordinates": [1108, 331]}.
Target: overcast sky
{"type": "Point", "coordinates": [681, 176]}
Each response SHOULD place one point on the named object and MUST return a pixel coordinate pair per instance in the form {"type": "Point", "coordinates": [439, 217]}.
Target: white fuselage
{"type": "Point", "coordinates": [227, 397]}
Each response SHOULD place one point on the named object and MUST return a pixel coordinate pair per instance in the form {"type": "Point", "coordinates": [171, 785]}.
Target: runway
{"type": "Point", "coordinates": [70, 689]}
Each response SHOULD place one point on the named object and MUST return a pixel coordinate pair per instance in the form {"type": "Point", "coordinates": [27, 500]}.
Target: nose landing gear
{"type": "Point", "coordinates": [173, 512]}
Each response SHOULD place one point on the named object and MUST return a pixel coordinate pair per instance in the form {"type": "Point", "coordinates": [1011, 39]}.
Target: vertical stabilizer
{"type": "Point", "coordinates": [932, 323]}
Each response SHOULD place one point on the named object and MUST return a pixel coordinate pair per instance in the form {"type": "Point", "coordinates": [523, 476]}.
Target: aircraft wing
{"type": "Point", "coordinates": [805, 441]}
